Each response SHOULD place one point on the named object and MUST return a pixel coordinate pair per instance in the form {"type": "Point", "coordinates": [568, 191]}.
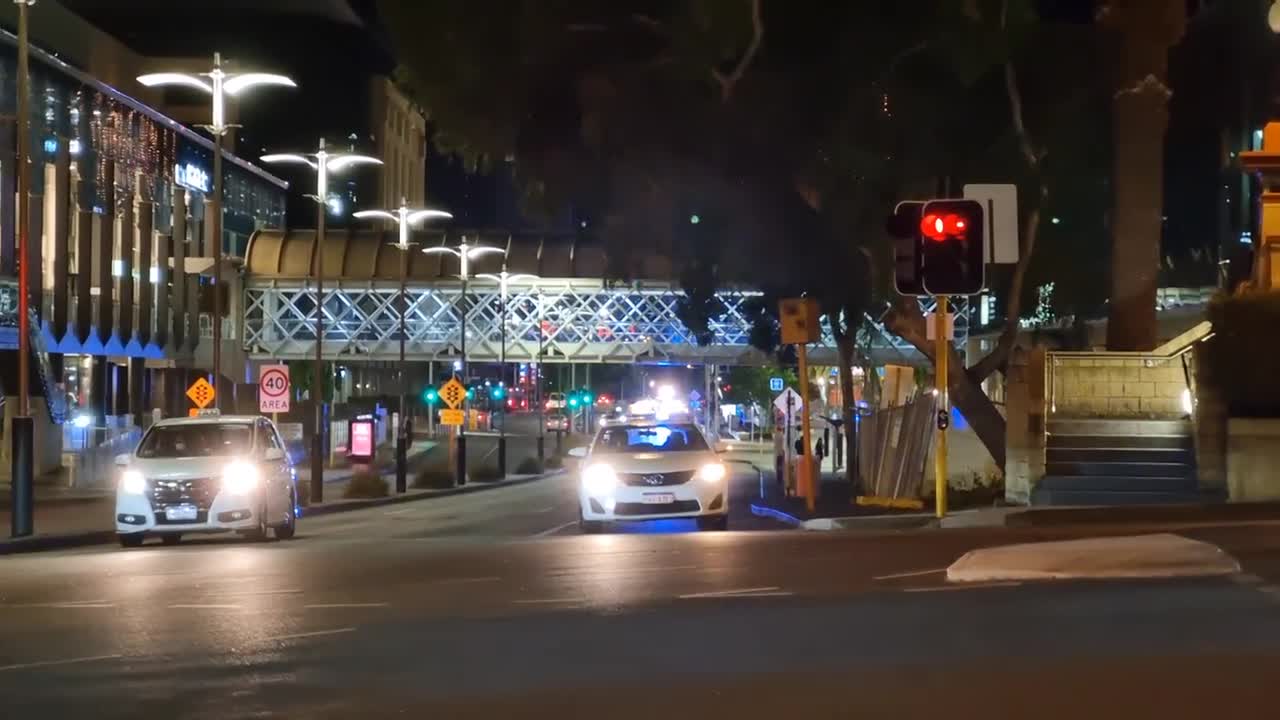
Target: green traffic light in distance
{"type": "Point", "coordinates": [498, 391]}
{"type": "Point", "coordinates": [430, 395]}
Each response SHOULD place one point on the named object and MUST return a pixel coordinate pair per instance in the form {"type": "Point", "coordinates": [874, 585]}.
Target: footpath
{"type": "Point", "coordinates": [70, 517]}
{"type": "Point", "coordinates": [836, 509]}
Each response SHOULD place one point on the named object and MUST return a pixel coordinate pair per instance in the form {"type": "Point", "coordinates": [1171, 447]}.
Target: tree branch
{"type": "Point", "coordinates": [728, 82]}
{"type": "Point", "coordinates": [998, 358]}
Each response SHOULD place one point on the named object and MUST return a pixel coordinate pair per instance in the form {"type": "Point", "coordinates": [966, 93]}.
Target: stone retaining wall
{"type": "Point", "coordinates": [1111, 387]}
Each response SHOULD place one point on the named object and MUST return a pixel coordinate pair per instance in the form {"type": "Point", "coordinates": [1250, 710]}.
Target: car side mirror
{"type": "Point", "coordinates": [122, 460]}
{"type": "Point", "coordinates": [273, 455]}
{"type": "Point", "coordinates": [578, 452]}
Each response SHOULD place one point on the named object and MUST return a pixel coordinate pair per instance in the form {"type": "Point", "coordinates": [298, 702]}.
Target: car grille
{"type": "Point", "coordinates": [193, 491]}
{"type": "Point", "coordinates": [657, 479]}
{"type": "Point", "coordinates": [679, 506]}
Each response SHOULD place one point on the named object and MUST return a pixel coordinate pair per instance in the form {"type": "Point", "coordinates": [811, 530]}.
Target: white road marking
{"type": "Point", "coordinates": [49, 663]}
{"type": "Point", "coordinates": [965, 586]}
{"type": "Point", "coordinates": [1246, 579]}
{"type": "Point", "coordinates": [320, 606]}
{"type": "Point", "coordinates": [251, 593]}
{"type": "Point", "coordinates": [401, 511]}
{"type": "Point", "coordinates": [914, 573]}
{"type": "Point", "coordinates": [771, 591]}
{"type": "Point", "coordinates": [547, 509]}
{"type": "Point", "coordinates": [552, 601]}
{"type": "Point", "coordinates": [556, 529]}
{"type": "Point", "coordinates": [65, 605]}
{"type": "Point", "coordinates": [317, 633]}
{"type": "Point", "coordinates": [204, 606]}
{"type": "Point", "coordinates": [461, 581]}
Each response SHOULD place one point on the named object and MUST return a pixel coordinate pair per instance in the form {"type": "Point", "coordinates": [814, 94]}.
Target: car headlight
{"type": "Point", "coordinates": [240, 478]}
{"type": "Point", "coordinates": [599, 479]}
{"type": "Point", "coordinates": [712, 472]}
{"type": "Point", "coordinates": [132, 482]}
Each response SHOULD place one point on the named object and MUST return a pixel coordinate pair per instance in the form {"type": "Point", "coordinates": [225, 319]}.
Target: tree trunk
{"type": "Point", "coordinates": [1145, 30]}
{"type": "Point", "coordinates": [967, 395]}
{"type": "Point", "coordinates": [844, 347]}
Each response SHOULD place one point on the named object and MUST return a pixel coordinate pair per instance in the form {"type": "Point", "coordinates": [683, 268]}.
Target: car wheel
{"type": "Point", "coordinates": [713, 522]}
{"type": "Point", "coordinates": [171, 538]}
{"type": "Point", "coordinates": [262, 532]}
{"type": "Point", "coordinates": [131, 540]}
{"type": "Point", "coordinates": [287, 530]}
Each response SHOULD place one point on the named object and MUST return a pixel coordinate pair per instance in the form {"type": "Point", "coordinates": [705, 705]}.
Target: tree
{"type": "Point", "coordinates": [791, 127]}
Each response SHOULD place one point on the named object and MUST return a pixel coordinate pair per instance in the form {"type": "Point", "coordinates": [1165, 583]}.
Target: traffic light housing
{"type": "Point", "coordinates": [904, 227]}
{"type": "Point", "coordinates": [497, 392]}
{"type": "Point", "coordinates": [431, 396]}
{"type": "Point", "coordinates": [587, 398]}
{"type": "Point", "coordinates": [951, 242]}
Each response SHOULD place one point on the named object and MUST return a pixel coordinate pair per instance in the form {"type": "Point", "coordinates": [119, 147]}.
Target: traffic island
{"type": "Point", "coordinates": [1162, 555]}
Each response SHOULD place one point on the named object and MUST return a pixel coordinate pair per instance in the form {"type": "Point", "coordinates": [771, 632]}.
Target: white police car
{"type": "Point", "coordinates": [651, 470]}
{"type": "Point", "coordinates": [206, 474]}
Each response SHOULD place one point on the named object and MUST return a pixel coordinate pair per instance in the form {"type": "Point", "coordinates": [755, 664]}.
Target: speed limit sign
{"type": "Point", "coordinates": [273, 389]}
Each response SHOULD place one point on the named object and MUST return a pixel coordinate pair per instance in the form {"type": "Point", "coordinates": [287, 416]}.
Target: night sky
{"type": "Point", "coordinates": [331, 48]}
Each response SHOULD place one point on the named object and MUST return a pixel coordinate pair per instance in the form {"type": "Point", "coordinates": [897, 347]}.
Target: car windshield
{"type": "Point", "coordinates": [196, 440]}
{"type": "Point", "coordinates": [649, 438]}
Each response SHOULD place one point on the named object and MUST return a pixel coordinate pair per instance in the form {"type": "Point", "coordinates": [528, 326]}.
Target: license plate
{"type": "Point", "coordinates": [658, 498]}
{"type": "Point", "coordinates": [182, 512]}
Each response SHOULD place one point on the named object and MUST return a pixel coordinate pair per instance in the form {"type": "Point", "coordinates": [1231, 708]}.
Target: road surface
{"type": "Point", "coordinates": [489, 606]}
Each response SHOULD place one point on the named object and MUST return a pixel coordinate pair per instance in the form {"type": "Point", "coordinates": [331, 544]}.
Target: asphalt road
{"type": "Point", "coordinates": [480, 606]}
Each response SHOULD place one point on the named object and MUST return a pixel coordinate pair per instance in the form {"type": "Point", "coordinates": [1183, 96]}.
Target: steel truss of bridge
{"type": "Point", "coordinates": [575, 320]}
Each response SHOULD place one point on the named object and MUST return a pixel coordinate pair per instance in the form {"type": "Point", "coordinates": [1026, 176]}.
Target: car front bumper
{"type": "Point", "coordinates": [227, 512]}
{"type": "Point", "coordinates": [695, 498]}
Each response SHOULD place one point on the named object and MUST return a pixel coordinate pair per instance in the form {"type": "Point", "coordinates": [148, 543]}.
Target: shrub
{"type": "Point", "coordinates": [433, 479]}
{"type": "Point", "coordinates": [1241, 350]}
{"type": "Point", "coordinates": [529, 466]}
{"type": "Point", "coordinates": [366, 484]}
{"type": "Point", "coordinates": [485, 473]}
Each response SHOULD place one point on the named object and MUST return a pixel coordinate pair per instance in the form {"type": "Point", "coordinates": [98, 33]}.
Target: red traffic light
{"type": "Point", "coordinates": [939, 227]}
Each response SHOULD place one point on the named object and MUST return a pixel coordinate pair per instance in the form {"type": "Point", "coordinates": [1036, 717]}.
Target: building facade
{"type": "Point", "coordinates": [118, 196]}
{"type": "Point", "coordinates": [399, 130]}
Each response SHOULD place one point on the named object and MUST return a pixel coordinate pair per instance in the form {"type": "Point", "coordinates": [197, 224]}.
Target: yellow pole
{"type": "Point", "coordinates": [943, 352]}
{"type": "Point", "coordinates": [808, 483]}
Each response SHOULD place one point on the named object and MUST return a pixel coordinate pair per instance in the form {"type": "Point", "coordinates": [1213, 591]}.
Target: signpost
{"type": "Point", "coordinates": [452, 417]}
{"type": "Point", "coordinates": [453, 394]}
{"type": "Point", "coordinates": [798, 325]}
{"type": "Point", "coordinates": [786, 404]}
{"type": "Point", "coordinates": [273, 389]}
{"type": "Point", "coordinates": [201, 393]}
{"type": "Point", "coordinates": [775, 384]}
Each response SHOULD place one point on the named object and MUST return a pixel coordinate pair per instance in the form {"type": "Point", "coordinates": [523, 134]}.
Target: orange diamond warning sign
{"type": "Point", "coordinates": [201, 393]}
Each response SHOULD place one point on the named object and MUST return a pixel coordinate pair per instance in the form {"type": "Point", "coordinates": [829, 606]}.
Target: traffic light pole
{"type": "Point", "coordinates": [402, 433]}
{"type": "Point", "coordinates": [942, 355]}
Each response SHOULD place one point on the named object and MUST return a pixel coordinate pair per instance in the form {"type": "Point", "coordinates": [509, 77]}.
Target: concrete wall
{"type": "Point", "coordinates": [1253, 454]}
{"type": "Point", "coordinates": [1115, 387]}
{"type": "Point", "coordinates": [1025, 399]}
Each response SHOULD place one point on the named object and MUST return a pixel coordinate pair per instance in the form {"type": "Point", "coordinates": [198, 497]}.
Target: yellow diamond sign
{"type": "Point", "coordinates": [453, 393]}
{"type": "Point", "coordinates": [201, 393]}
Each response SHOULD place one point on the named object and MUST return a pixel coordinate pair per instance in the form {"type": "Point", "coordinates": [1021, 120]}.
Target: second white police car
{"type": "Point", "coordinates": [651, 470]}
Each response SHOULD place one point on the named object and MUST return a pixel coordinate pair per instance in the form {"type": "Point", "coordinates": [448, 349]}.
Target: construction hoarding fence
{"type": "Point", "coordinates": [893, 445]}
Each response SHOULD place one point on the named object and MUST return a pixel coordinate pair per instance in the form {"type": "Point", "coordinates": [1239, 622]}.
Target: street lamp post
{"type": "Point", "coordinates": [537, 378]}
{"type": "Point", "coordinates": [219, 84]}
{"type": "Point", "coordinates": [323, 162]}
{"type": "Point", "coordinates": [405, 218]}
{"type": "Point", "coordinates": [465, 253]}
{"type": "Point", "coordinates": [503, 279]}
{"type": "Point", "coordinates": [22, 478]}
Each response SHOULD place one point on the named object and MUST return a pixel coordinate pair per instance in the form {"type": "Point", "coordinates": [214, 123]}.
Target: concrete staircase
{"type": "Point", "coordinates": [1119, 462]}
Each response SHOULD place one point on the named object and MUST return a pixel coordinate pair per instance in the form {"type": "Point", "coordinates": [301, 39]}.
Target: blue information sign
{"type": "Point", "coordinates": [775, 384]}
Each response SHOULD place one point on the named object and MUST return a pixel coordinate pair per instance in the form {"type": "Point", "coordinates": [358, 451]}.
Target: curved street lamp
{"type": "Point", "coordinates": [323, 162]}
{"type": "Point", "coordinates": [405, 218]}
{"type": "Point", "coordinates": [219, 84]}
{"type": "Point", "coordinates": [503, 279]}
{"type": "Point", "coordinates": [465, 252]}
